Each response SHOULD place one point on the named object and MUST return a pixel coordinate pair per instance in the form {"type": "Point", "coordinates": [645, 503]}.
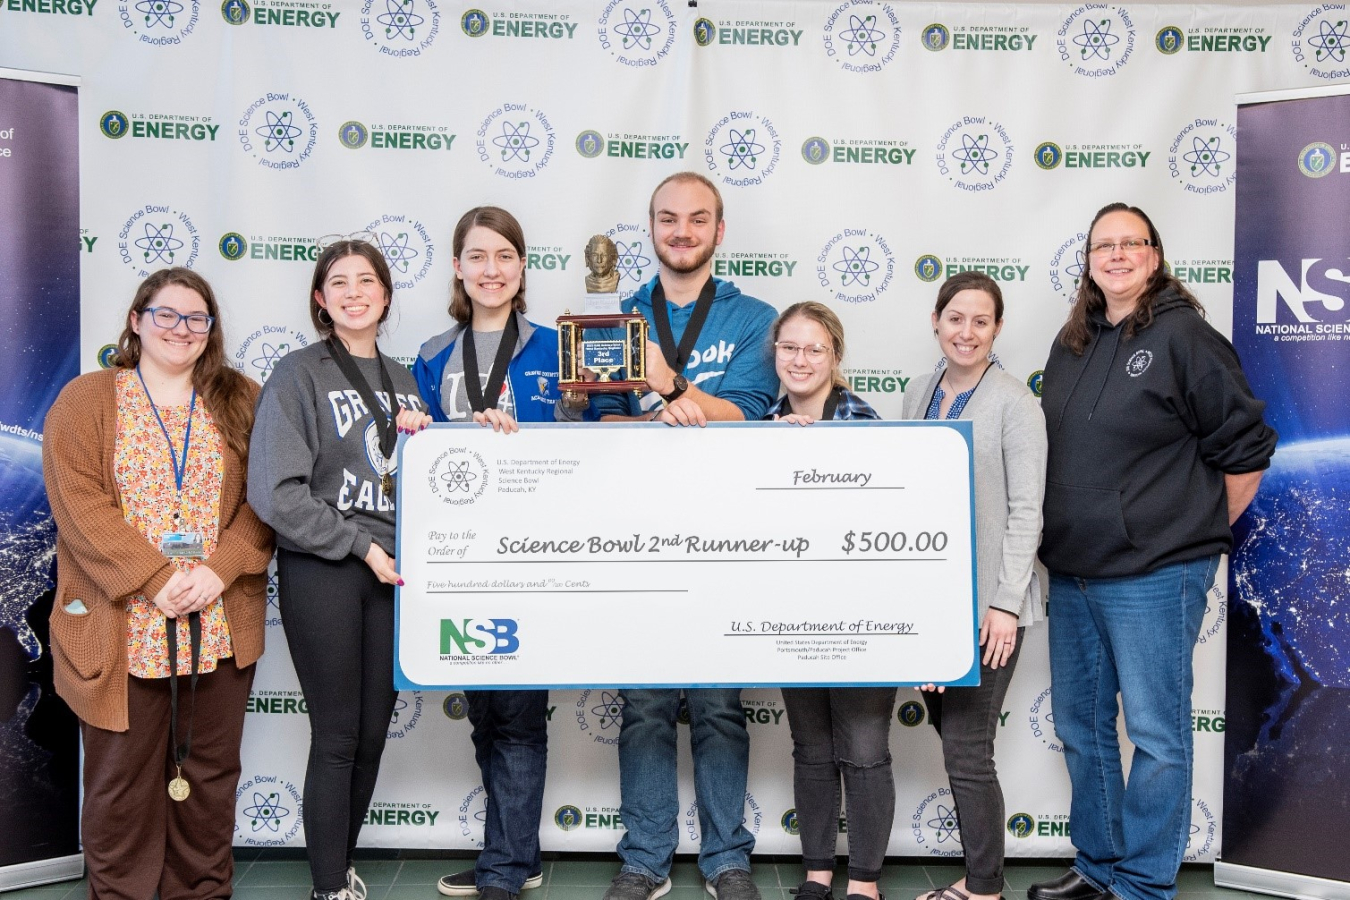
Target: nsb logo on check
{"type": "Point", "coordinates": [478, 637]}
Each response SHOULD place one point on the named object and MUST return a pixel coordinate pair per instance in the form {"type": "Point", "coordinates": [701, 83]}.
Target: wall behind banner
{"type": "Point", "coordinates": [865, 150]}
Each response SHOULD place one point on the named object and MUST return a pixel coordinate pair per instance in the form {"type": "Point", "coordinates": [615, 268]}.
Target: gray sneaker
{"type": "Point", "coordinates": [811, 890]}
{"type": "Point", "coordinates": [634, 886]}
{"type": "Point", "coordinates": [733, 884]}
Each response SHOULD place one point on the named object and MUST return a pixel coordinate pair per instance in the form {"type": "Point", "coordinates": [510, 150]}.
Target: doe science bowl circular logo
{"type": "Point", "coordinates": [406, 245]}
{"type": "Point", "coordinates": [639, 33]}
{"type": "Point", "coordinates": [856, 265]}
{"type": "Point", "coordinates": [974, 154]}
{"type": "Point", "coordinates": [1068, 265]}
{"type": "Point", "coordinates": [1321, 42]}
{"type": "Point", "coordinates": [155, 236]}
{"type": "Point", "coordinates": [935, 825]}
{"type": "Point", "coordinates": [515, 140]}
{"type": "Point", "coordinates": [1096, 40]}
{"type": "Point", "coordinates": [861, 37]}
{"type": "Point", "coordinates": [114, 124]}
{"type": "Point", "coordinates": [267, 811]}
{"type": "Point", "coordinates": [458, 476]}
{"type": "Point", "coordinates": [278, 131]}
{"type": "Point", "coordinates": [1200, 158]}
{"type": "Point", "coordinates": [159, 23]}
{"type": "Point", "coordinates": [1315, 160]}
{"type": "Point", "coordinates": [400, 29]}
{"type": "Point", "coordinates": [742, 149]}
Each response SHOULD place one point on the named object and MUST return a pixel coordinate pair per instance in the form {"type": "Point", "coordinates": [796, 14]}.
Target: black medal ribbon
{"type": "Point", "coordinates": [497, 377]}
{"type": "Point", "coordinates": [677, 357]}
{"type": "Point", "coordinates": [181, 751]}
{"type": "Point", "coordinates": [831, 404]}
{"type": "Point", "coordinates": [384, 424]}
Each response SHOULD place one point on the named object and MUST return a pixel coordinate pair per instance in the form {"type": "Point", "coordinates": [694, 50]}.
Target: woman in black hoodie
{"type": "Point", "coordinates": [1156, 446]}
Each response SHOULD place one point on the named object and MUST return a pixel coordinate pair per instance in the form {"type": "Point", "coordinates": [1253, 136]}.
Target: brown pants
{"type": "Point", "coordinates": [139, 841]}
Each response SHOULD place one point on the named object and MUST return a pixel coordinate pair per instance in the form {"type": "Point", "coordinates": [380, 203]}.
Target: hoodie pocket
{"type": "Point", "coordinates": [1085, 529]}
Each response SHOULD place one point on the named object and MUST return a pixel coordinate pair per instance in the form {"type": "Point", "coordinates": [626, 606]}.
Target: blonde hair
{"type": "Point", "coordinates": [823, 316]}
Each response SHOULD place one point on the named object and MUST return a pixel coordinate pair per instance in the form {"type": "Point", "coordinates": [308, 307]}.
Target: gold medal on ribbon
{"type": "Point", "coordinates": [387, 485]}
{"type": "Point", "coordinates": [178, 788]}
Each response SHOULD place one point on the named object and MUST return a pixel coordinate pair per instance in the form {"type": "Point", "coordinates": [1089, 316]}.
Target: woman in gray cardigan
{"type": "Point", "coordinates": [1010, 451]}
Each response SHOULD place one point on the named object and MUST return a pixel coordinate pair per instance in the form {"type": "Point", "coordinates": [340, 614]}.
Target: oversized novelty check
{"type": "Point", "coordinates": [646, 555]}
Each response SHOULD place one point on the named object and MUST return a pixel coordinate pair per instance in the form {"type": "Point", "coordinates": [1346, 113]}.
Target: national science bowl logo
{"type": "Point", "coordinates": [1315, 160]}
{"type": "Point", "coordinates": [742, 149]}
{"type": "Point", "coordinates": [1201, 159]}
{"type": "Point", "coordinates": [353, 135]}
{"type": "Point", "coordinates": [1169, 40]}
{"type": "Point", "coordinates": [1041, 721]}
{"type": "Point", "coordinates": [638, 33]}
{"type": "Point", "coordinates": [400, 29]}
{"type": "Point", "coordinates": [1204, 828]}
{"type": "Point", "coordinates": [475, 23]}
{"type": "Point", "coordinates": [259, 353]}
{"type": "Point", "coordinates": [861, 36]}
{"type": "Point", "coordinates": [278, 131]}
{"type": "Point", "coordinates": [455, 706]}
{"type": "Point", "coordinates": [159, 23]}
{"type": "Point", "coordinates": [472, 817]}
{"type": "Point", "coordinates": [114, 124]}
{"type": "Point", "coordinates": [232, 246]}
{"type": "Point", "coordinates": [406, 245]}
{"type": "Point", "coordinates": [516, 140]}
{"type": "Point", "coordinates": [911, 713]}
{"type": "Point", "coordinates": [752, 819]}
{"type": "Point", "coordinates": [935, 826]}
{"type": "Point", "coordinates": [1321, 42]}
{"type": "Point", "coordinates": [458, 477]}
{"type": "Point", "coordinates": [590, 144]}
{"type": "Point", "coordinates": [936, 37]}
{"type": "Point", "coordinates": [567, 817]}
{"type": "Point", "coordinates": [267, 812]}
{"type": "Point", "coordinates": [975, 154]}
{"type": "Point", "coordinates": [856, 265]}
{"type": "Point", "coordinates": [928, 268]}
{"type": "Point", "coordinates": [1068, 265]}
{"type": "Point", "coordinates": [1048, 155]}
{"type": "Point", "coordinates": [636, 262]}
{"type": "Point", "coordinates": [235, 12]}
{"type": "Point", "coordinates": [599, 715]}
{"type": "Point", "coordinates": [157, 236]}
{"type": "Point", "coordinates": [1096, 41]}
{"type": "Point", "coordinates": [407, 713]}
{"type": "Point", "coordinates": [1021, 825]}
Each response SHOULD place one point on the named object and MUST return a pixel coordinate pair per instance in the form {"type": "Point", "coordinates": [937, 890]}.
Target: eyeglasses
{"type": "Point", "coordinates": [329, 240]}
{"type": "Point", "coordinates": [168, 319]}
{"type": "Point", "coordinates": [787, 351]}
{"type": "Point", "coordinates": [1129, 245]}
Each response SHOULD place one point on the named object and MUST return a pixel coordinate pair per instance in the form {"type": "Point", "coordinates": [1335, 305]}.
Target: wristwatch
{"type": "Point", "coordinates": [681, 385]}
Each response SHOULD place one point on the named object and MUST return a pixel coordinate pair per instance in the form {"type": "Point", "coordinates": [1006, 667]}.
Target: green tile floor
{"type": "Point", "coordinates": [270, 878]}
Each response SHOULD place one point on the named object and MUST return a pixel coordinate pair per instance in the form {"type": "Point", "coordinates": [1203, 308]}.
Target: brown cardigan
{"type": "Point", "coordinates": [101, 559]}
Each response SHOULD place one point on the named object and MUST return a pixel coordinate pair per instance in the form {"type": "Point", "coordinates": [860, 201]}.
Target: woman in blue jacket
{"type": "Point", "coordinates": [496, 368]}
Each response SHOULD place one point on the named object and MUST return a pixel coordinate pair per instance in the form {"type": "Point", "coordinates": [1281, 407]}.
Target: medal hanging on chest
{"type": "Point", "coordinates": [384, 424]}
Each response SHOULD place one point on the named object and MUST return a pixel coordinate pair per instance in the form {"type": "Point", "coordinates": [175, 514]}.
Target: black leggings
{"type": "Point", "coordinates": [339, 622]}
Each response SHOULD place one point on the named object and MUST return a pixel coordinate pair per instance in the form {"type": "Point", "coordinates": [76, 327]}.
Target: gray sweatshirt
{"type": "Point", "coordinates": [314, 463]}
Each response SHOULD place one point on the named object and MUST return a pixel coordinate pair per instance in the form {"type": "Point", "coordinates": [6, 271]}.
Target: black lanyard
{"type": "Point", "coordinates": [497, 376]}
{"type": "Point", "coordinates": [937, 386]}
{"type": "Point", "coordinates": [181, 751]}
{"type": "Point", "coordinates": [384, 424]}
{"type": "Point", "coordinates": [677, 357]}
{"type": "Point", "coordinates": [831, 404]}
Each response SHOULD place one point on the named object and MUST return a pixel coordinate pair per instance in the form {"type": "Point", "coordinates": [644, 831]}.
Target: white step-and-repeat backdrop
{"type": "Point", "coordinates": [865, 150]}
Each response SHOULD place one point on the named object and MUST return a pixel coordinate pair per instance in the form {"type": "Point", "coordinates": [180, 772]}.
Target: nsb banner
{"type": "Point", "coordinates": [39, 343]}
{"type": "Point", "coordinates": [1287, 763]}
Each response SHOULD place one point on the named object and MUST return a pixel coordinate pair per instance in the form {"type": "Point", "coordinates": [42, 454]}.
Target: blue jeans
{"type": "Point", "coordinates": [650, 803]}
{"type": "Point", "coordinates": [1134, 637]}
{"type": "Point", "coordinates": [510, 742]}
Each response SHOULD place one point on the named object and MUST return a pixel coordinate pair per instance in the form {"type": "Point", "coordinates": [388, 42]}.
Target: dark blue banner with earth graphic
{"type": "Point", "coordinates": [39, 346]}
{"type": "Point", "coordinates": [1286, 751]}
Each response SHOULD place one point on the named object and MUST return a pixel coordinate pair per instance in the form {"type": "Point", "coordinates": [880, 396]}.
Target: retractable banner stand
{"type": "Point", "coordinates": [1286, 814]}
{"type": "Point", "coordinates": [39, 344]}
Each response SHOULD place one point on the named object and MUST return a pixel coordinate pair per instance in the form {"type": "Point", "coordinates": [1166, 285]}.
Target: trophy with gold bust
{"type": "Point", "coordinates": [602, 350]}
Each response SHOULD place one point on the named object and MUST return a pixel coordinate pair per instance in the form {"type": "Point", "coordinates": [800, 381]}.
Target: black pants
{"type": "Point", "coordinates": [339, 622]}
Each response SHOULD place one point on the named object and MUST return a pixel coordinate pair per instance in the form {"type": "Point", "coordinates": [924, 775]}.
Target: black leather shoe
{"type": "Point", "coordinates": [1069, 886]}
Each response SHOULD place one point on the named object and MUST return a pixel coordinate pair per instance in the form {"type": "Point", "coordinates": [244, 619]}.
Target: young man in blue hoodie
{"type": "Point", "coordinates": [712, 361]}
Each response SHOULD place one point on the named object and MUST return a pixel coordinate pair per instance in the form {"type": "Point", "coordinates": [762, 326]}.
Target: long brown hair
{"type": "Point", "coordinates": [226, 392]}
{"type": "Point", "coordinates": [498, 220]}
{"type": "Point", "coordinates": [825, 317]}
{"type": "Point", "coordinates": [1090, 299]}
